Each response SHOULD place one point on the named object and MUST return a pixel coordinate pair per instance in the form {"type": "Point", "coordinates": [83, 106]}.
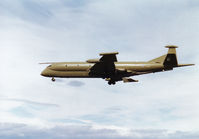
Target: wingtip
{"type": "Point", "coordinates": [111, 53]}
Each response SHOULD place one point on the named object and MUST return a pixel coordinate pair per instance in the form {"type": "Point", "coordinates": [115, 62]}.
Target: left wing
{"type": "Point", "coordinates": [105, 67]}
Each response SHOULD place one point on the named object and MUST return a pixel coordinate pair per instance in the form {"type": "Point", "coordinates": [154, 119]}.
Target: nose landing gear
{"type": "Point", "coordinates": [53, 79]}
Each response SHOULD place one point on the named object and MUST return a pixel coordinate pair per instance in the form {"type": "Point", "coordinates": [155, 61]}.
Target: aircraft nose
{"type": "Point", "coordinates": [43, 73]}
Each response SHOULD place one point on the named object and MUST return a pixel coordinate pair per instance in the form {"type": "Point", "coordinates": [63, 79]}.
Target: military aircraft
{"type": "Point", "coordinates": [108, 68]}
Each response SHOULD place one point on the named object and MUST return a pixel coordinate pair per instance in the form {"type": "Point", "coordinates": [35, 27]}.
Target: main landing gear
{"type": "Point", "coordinates": [53, 79]}
{"type": "Point", "coordinates": [111, 82]}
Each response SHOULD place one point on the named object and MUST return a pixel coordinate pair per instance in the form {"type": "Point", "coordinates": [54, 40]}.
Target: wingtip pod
{"type": "Point", "coordinates": [112, 53]}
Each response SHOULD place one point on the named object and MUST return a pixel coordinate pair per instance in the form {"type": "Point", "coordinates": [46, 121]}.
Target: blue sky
{"type": "Point", "coordinates": [162, 105]}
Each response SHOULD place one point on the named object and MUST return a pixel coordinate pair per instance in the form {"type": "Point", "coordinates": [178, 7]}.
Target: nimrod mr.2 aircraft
{"type": "Point", "coordinates": [108, 68]}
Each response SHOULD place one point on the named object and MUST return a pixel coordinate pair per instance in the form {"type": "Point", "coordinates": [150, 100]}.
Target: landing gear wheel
{"type": "Point", "coordinates": [53, 79]}
{"type": "Point", "coordinates": [111, 82]}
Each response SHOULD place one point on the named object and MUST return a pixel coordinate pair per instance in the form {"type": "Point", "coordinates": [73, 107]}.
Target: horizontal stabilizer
{"type": "Point", "coordinates": [126, 80]}
{"type": "Point", "coordinates": [183, 65]}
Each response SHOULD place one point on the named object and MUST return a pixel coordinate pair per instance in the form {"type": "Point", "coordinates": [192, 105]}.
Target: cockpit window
{"type": "Point", "coordinates": [49, 66]}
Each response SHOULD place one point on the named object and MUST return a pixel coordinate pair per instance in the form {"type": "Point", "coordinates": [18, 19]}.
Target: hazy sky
{"type": "Point", "coordinates": [162, 105]}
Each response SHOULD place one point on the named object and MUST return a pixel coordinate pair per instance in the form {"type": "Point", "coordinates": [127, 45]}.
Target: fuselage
{"type": "Point", "coordinates": [82, 69]}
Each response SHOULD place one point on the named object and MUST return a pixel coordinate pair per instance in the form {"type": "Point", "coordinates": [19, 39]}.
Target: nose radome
{"type": "Point", "coordinates": [43, 73]}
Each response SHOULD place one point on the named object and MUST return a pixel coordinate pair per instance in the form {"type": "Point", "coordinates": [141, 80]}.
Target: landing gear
{"type": "Point", "coordinates": [53, 79]}
{"type": "Point", "coordinates": [111, 82]}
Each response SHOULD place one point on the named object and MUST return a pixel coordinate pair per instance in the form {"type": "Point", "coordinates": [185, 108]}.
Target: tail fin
{"type": "Point", "coordinates": [158, 60]}
{"type": "Point", "coordinates": [169, 60]}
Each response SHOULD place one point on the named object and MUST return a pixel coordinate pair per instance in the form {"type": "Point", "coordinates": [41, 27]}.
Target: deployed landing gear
{"type": "Point", "coordinates": [53, 79]}
{"type": "Point", "coordinates": [111, 82]}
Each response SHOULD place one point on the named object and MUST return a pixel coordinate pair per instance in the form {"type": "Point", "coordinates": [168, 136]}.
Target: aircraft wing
{"type": "Point", "coordinates": [108, 57]}
{"type": "Point", "coordinates": [105, 67]}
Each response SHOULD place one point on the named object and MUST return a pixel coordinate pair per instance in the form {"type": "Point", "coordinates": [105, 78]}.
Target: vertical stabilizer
{"type": "Point", "coordinates": [172, 49]}
{"type": "Point", "coordinates": [171, 58]}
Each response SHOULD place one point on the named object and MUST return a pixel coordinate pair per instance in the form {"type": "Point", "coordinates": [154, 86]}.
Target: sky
{"type": "Point", "coordinates": [161, 105]}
